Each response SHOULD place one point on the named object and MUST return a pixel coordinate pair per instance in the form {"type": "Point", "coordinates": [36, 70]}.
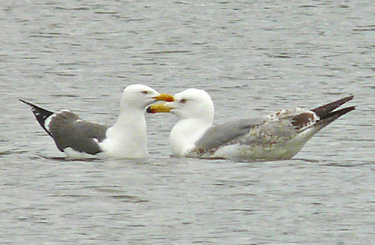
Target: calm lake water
{"type": "Point", "coordinates": [253, 57]}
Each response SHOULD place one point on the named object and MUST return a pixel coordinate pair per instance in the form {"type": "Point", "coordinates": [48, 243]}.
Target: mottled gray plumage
{"type": "Point", "coordinates": [220, 134]}
{"type": "Point", "coordinates": [277, 136]}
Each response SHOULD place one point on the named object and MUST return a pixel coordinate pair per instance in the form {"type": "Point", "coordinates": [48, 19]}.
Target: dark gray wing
{"type": "Point", "coordinates": [220, 134]}
{"type": "Point", "coordinates": [68, 130]}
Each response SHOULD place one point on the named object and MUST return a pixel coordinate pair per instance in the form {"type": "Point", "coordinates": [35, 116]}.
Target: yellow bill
{"type": "Point", "coordinates": [164, 97]}
{"type": "Point", "coordinates": [158, 108]}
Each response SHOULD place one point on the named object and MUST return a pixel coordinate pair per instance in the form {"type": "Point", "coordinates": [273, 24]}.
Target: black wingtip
{"type": "Point", "coordinates": [344, 110]}
{"type": "Point", "coordinates": [325, 110]}
{"type": "Point", "coordinates": [35, 107]}
{"type": "Point", "coordinates": [40, 114]}
{"type": "Point", "coordinates": [335, 115]}
{"type": "Point", "coordinates": [27, 103]}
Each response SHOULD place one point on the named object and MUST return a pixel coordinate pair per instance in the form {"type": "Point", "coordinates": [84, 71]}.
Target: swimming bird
{"type": "Point", "coordinates": [125, 139]}
{"type": "Point", "coordinates": [280, 135]}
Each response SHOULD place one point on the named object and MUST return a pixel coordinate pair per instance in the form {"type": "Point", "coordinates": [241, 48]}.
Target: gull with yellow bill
{"type": "Point", "coordinates": [127, 138]}
{"type": "Point", "coordinates": [280, 135]}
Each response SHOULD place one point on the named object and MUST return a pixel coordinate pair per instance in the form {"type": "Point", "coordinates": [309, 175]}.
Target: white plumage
{"type": "Point", "coordinates": [280, 135]}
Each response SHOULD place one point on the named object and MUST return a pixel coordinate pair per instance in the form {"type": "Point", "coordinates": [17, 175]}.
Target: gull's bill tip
{"type": "Point", "coordinates": [158, 108]}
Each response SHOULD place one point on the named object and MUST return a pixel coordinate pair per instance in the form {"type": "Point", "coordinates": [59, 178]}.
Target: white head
{"type": "Point", "coordinates": [193, 103]}
{"type": "Point", "coordinates": [138, 96]}
{"type": "Point", "coordinates": [195, 111]}
{"type": "Point", "coordinates": [128, 138]}
{"type": "Point", "coordinates": [189, 104]}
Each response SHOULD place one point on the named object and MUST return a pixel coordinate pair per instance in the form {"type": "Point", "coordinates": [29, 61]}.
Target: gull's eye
{"type": "Point", "coordinates": [183, 101]}
{"type": "Point", "coordinates": [144, 92]}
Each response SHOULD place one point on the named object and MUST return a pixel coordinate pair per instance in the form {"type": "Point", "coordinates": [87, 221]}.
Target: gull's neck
{"type": "Point", "coordinates": [129, 115]}
{"type": "Point", "coordinates": [186, 133]}
{"type": "Point", "coordinates": [128, 137]}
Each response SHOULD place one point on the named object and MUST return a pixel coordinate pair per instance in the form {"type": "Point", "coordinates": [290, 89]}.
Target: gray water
{"type": "Point", "coordinates": [253, 57]}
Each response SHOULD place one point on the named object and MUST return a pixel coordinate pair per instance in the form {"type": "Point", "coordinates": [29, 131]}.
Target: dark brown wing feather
{"type": "Point", "coordinates": [323, 111]}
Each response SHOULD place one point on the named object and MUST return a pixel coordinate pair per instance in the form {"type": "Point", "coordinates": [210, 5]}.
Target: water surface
{"type": "Point", "coordinates": [253, 58]}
